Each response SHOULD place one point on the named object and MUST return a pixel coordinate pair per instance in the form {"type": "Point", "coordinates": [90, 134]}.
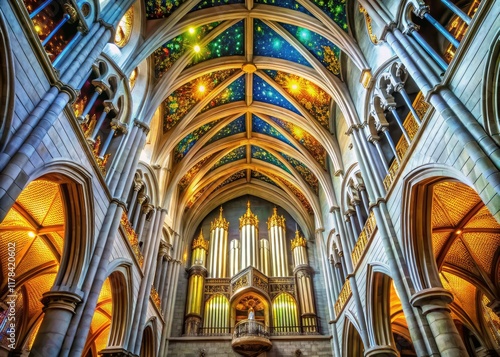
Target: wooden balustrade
{"type": "Point", "coordinates": [132, 238]}
{"type": "Point", "coordinates": [363, 239]}
{"type": "Point", "coordinates": [343, 298]}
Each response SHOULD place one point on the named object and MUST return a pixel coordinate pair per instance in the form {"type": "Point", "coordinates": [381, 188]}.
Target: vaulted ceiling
{"type": "Point", "coordinates": [246, 93]}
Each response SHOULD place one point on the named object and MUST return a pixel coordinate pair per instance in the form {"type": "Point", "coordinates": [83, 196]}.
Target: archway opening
{"type": "Point", "coordinates": [33, 233]}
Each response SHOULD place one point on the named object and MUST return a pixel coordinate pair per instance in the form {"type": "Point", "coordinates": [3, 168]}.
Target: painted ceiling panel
{"type": "Point", "coordinates": [166, 55]}
{"type": "Point", "coordinates": [302, 169]}
{"type": "Point", "coordinates": [204, 4]}
{"type": "Point", "coordinates": [300, 196]}
{"type": "Point", "coordinates": [335, 9]}
{"type": "Point", "coordinates": [324, 51]}
{"type": "Point", "coordinates": [235, 155]}
{"type": "Point", "coordinates": [157, 9]}
{"type": "Point", "coordinates": [233, 93]}
{"type": "Point", "coordinates": [261, 127]}
{"type": "Point", "coordinates": [186, 179]}
{"type": "Point", "coordinates": [235, 127]}
{"type": "Point", "coordinates": [182, 100]}
{"type": "Point", "coordinates": [264, 92]}
{"type": "Point", "coordinates": [259, 176]}
{"type": "Point", "coordinates": [310, 143]}
{"type": "Point", "coordinates": [264, 155]}
{"type": "Point", "coordinates": [269, 44]}
{"type": "Point", "coordinates": [189, 140]}
{"type": "Point", "coordinates": [234, 177]}
{"type": "Point", "coordinates": [288, 4]}
{"type": "Point", "coordinates": [315, 100]}
{"type": "Point", "coordinates": [229, 43]}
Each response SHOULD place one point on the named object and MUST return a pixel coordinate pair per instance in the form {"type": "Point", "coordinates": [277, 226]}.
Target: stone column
{"type": "Point", "coordinates": [433, 303]}
{"type": "Point", "coordinates": [59, 309]}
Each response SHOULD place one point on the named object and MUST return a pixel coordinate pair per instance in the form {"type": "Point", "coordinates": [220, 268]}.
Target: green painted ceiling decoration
{"type": "Point", "coordinates": [204, 4]}
{"type": "Point", "coordinates": [259, 176]}
{"type": "Point", "coordinates": [287, 4]}
{"type": "Point", "coordinates": [296, 191]}
{"type": "Point", "coordinates": [314, 99]}
{"type": "Point", "coordinates": [229, 43]}
{"type": "Point", "coordinates": [166, 55]}
{"type": "Point", "coordinates": [233, 93]}
{"type": "Point", "coordinates": [302, 169]}
{"type": "Point", "coordinates": [261, 127]}
{"type": "Point", "coordinates": [158, 9]}
{"type": "Point", "coordinates": [335, 9]}
{"type": "Point", "coordinates": [264, 155]}
{"type": "Point", "coordinates": [235, 127]}
{"type": "Point", "coordinates": [324, 51]}
{"type": "Point", "coordinates": [307, 140]}
{"type": "Point", "coordinates": [182, 100]}
{"type": "Point", "coordinates": [235, 155]}
{"type": "Point", "coordinates": [183, 147]}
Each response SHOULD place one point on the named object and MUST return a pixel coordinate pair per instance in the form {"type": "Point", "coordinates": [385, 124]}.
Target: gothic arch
{"type": "Point", "coordinates": [121, 289]}
{"type": "Point", "coordinates": [148, 344]}
{"type": "Point", "coordinates": [7, 90]}
{"type": "Point", "coordinates": [491, 91]}
{"type": "Point", "coordinates": [352, 345]}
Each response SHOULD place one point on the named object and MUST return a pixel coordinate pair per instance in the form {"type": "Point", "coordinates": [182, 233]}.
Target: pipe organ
{"type": "Point", "coordinates": [277, 235]}
{"type": "Point", "coordinates": [302, 272]}
{"type": "Point", "coordinates": [218, 247]}
{"type": "Point", "coordinates": [250, 265]}
{"type": "Point", "coordinates": [249, 228]}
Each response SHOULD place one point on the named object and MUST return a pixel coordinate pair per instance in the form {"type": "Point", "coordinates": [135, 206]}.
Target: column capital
{"type": "Point", "coordinates": [62, 300]}
{"type": "Point", "coordinates": [141, 125]}
{"type": "Point", "coordinates": [385, 351]}
{"type": "Point", "coordinates": [432, 299]}
{"type": "Point", "coordinates": [421, 10]}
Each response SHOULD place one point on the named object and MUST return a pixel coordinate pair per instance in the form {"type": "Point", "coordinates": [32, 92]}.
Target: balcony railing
{"type": "Point", "coordinates": [132, 238]}
{"type": "Point", "coordinates": [250, 328]}
{"type": "Point", "coordinates": [343, 298]}
{"type": "Point", "coordinates": [411, 127]}
{"type": "Point", "coordinates": [363, 239]}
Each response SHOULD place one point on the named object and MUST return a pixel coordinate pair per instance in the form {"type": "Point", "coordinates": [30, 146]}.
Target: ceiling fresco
{"type": "Point", "coordinates": [253, 93]}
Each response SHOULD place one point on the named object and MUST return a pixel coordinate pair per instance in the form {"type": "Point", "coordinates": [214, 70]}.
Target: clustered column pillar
{"type": "Point", "coordinates": [197, 274]}
{"type": "Point", "coordinates": [302, 272]}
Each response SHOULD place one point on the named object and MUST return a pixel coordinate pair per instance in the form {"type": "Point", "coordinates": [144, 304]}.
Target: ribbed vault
{"type": "Point", "coordinates": [245, 97]}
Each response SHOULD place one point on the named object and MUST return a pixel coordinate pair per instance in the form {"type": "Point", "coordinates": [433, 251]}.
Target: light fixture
{"type": "Point", "coordinates": [196, 48]}
{"type": "Point", "coordinates": [191, 30]}
{"type": "Point", "coordinates": [31, 234]}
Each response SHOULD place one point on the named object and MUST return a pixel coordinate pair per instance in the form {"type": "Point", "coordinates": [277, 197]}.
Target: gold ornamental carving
{"type": "Point", "coordinates": [276, 220]}
{"type": "Point", "coordinates": [219, 222]}
{"type": "Point", "coordinates": [249, 218]}
{"type": "Point", "coordinates": [298, 241]}
{"type": "Point", "coordinates": [200, 242]}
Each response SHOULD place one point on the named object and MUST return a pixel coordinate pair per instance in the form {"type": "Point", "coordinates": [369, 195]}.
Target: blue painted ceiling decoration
{"type": "Point", "coordinates": [264, 155]}
{"type": "Point", "coordinates": [264, 92]}
{"type": "Point", "coordinates": [189, 140]}
{"type": "Point", "coordinates": [232, 93]}
{"type": "Point", "coordinates": [229, 43]}
{"type": "Point", "coordinates": [269, 44]}
{"type": "Point", "coordinates": [233, 75]}
{"type": "Point", "coordinates": [235, 127]}
{"type": "Point", "coordinates": [324, 51]}
{"type": "Point", "coordinates": [235, 155]}
{"type": "Point", "coordinates": [261, 127]}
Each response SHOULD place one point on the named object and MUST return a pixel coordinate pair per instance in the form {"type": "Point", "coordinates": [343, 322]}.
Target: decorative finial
{"type": "Point", "coordinates": [298, 241]}
{"type": "Point", "coordinates": [249, 217]}
{"type": "Point", "coordinates": [276, 220]}
{"type": "Point", "coordinates": [219, 222]}
{"type": "Point", "coordinates": [200, 242]}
